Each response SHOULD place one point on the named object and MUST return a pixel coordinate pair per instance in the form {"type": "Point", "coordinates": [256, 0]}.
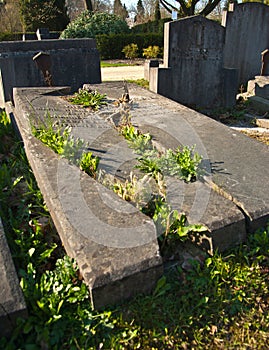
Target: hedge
{"type": "Point", "coordinates": [151, 26]}
{"type": "Point", "coordinates": [7, 36]}
{"type": "Point", "coordinates": [110, 46]}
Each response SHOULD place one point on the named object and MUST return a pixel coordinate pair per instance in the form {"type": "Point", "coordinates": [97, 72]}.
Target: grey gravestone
{"type": "Point", "coordinates": [42, 33]}
{"type": "Point", "coordinates": [193, 72]}
{"type": "Point", "coordinates": [247, 35]}
{"type": "Point", "coordinates": [73, 63]}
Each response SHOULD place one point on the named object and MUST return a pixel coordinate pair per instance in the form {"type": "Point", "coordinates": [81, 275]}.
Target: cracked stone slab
{"type": "Point", "coordinates": [114, 244]}
{"type": "Point", "coordinates": [235, 165]}
{"type": "Point", "coordinates": [231, 185]}
{"type": "Point", "coordinates": [12, 304]}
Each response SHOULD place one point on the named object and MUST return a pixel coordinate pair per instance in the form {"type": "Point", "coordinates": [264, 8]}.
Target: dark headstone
{"type": "Point", "coordinates": [193, 59]}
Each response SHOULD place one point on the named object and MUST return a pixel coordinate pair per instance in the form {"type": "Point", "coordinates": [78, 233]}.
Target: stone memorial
{"type": "Point", "coordinates": [247, 35]}
{"type": "Point", "coordinates": [73, 63]}
{"type": "Point", "coordinates": [113, 243]}
{"type": "Point", "coordinates": [193, 72]}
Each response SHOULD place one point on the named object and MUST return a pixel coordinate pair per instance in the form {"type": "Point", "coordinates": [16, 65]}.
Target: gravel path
{"type": "Point", "coordinates": [122, 73]}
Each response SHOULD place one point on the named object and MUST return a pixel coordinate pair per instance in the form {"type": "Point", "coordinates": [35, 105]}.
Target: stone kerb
{"type": "Point", "coordinates": [74, 62]}
{"type": "Point", "coordinates": [12, 304]}
{"type": "Point", "coordinates": [115, 245]}
{"type": "Point", "coordinates": [247, 35]}
{"type": "Point", "coordinates": [193, 61]}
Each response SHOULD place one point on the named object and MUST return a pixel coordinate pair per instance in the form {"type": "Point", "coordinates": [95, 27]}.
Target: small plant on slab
{"type": "Point", "coordinates": [136, 140]}
{"type": "Point", "coordinates": [89, 163]}
{"type": "Point", "coordinates": [173, 225]}
{"type": "Point", "coordinates": [52, 135]}
{"type": "Point", "coordinates": [60, 140]}
{"type": "Point", "coordinates": [86, 98]}
{"type": "Point", "coordinates": [188, 161]}
{"type": "Point", "coordinates": [181, 163]}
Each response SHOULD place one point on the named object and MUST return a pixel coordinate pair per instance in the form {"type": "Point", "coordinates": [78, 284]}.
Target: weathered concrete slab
{"type": "Point", "coordinates": [235, 165]}
{"type": "Point", "coordinates": [113, 243]}
{"type": "Point", "coordinates": [12, 304]}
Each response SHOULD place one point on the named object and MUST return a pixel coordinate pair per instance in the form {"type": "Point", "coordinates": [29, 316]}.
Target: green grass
{"type": "Point", "coordinates": [223, 304]}
{"type": "Point", "coordinates": [141, 82]}
{"type": "Point", "coordinates": [116, 64]}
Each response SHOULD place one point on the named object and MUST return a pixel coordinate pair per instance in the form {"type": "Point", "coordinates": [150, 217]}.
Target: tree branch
{"type": "Point", "coordinates": [168, 6]}
{"type": "Point", "coordinates": [209, 7]}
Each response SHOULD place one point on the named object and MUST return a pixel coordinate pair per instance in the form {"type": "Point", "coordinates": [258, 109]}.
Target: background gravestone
{"type": "Point", "coordinates": [247, 35]}
{"type": "Point", "coordinates": [74, 62]}
{"type": "Point", "coordinates": [193, 72]}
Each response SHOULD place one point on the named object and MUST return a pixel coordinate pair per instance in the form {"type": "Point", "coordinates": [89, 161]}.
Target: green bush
{"type": "Point", "coordinates": [111, 46]}
{"type": "Point", "coordinates": [151, 52]}
{"type": "Point", "coordinates": [89, 24]}
{"type": "Point", "coordinates": [130, 51]}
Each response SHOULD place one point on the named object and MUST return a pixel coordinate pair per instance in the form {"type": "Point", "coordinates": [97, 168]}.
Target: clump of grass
{"type": "Point", "coordinates": [86, 98]}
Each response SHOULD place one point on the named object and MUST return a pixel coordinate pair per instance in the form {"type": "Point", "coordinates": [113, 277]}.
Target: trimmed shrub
{"type": "Point", "coordinates": [130, 51]}
{"type": "Point", "coordinates": [90, 24]}
{"type": "Point", "coordinates": [151, 52]}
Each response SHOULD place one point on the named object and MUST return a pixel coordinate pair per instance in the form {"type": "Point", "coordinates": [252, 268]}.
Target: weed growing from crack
{"type": "Point", "coordinates": [181, 163]}
{"type": "Point", "coordinates": [60, 140]}
{"type": "Point", "coordinates": [86, 98]}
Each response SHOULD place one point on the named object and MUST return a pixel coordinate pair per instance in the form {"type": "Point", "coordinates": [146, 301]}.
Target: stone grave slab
{"type": "Point", "coordinates": [114, 244]}
{"type": "Point", "coordinates": [12, 304]}
{"type": "Point", "coordinates": [235, 165]}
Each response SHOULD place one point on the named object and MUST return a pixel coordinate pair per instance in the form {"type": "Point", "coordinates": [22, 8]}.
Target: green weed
{"type": "Point", "coordinates": [180, 163]}
{"type": "Point", "coordinates": [89, 163]}
{"type": "Point", "coordinates": [85, 98]}
{"type": "Point", "coordinates": [52, 134]}
{"type": "Point", "coordinates": [60, 140]}
{"type": "Point", "coordinates": [136, 140]}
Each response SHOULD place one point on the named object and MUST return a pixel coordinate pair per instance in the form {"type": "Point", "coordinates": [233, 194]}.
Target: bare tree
{"type": "Point", "coordinates": [120, 10]}
{"type": "Point", "coordinates": [10, 16]}
{"type": "Point", "coordinates": [190, 7]}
